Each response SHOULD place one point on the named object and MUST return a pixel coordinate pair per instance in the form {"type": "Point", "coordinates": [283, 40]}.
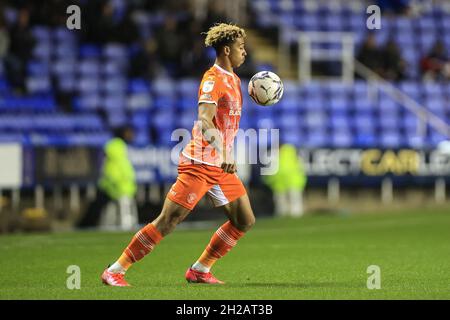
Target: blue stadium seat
{"type": "Point", "coordinates": [64, 67]}
{"type": "Point", "coordinates": [140, 119]}
{"type": "Point", "coordinates": [290, 104]}
{"type": "Point", "coordinates": [42, 51]}
{"type": "Point", "coordinates": [64, 35]}
{"type": "Point", "coordinates": [115, 85]}
{"type": "Point", "coordinates": [89, 67]}
{"type": "Point", "coordinates": [433, 89]}
{"type": "Point", "coordinates": [435, 138]}
{"type": "Point", "coordinates": [315, 119]}
{"type": "Point", "coordinates": [292, 136]}
{"type": "Point", "coordinates": [138, 85]}
{"type": "Point", "coordinates": [308, 22]}
{"type": "Point", "coordinates": [316, 138]}
{"type": "Point", "coordinates": [389, 123]}
{"type": "Point", "coordinates": [362, 104]}
{"type": "Point", "coordinates": [141, 138]}
{"type": "Point", "coordinates": [4, 86]}
{"type": "Point", "coordinates": [410, 123]}
{"type": "Point", "coordinates": [338, 105]}
{"type": "Point", "coordinates": [333, 23]}
{"type": "Point", "coordinates": [38, 84]}
{"type": "Point", "coordinates": [390, 139]}
{"type": "Point", "coordinates": [41, 33]}
{"type": "Point", "coordinates": [139, 101]}
{"type": "Point", "coordinates": [436, 104]}
{"type": "Point", "coordinates": [288, 121]}
{"type": "Point", "coordinates": [291, 88]}
{"type": "Point", "coordinates": [163, 120]}
{"type": "Point", "coordinates": [88, 85]}
{"type": "Point", "coordinates": [164, 102]}
{"type": "Point", "coordinates": [164, 137]}
{"type": "Point", "coordinates": [117, 118]}
{"type": "Point", "coordinates": [114, 102]}
{"type": "Point", "coordinates": [186, 120]}
{"type": "Point", "coordinates": [365, 140]}
{"type": "Point", "coordinates": [164, 87]}
{"type": "Point", "coordinates": [187, 103]}
{"type": "Point", "coordinates": [387, 107]}
{"type": "Point", "coordinates": [91, 139]}
{"type": "Point", "coordinates": [65, 50]}
{"type": "Point", "coordinates": [89, 51]}
{"type": "Point", "coordinates": [13, 137]}
{"type": "Point", "coordinates": [265, 123]}
{"type": "Point", "coordinates": [312, 104]}
{"type": "Point", "coordinates": [112, 69]}
{"type": "Point", "coordinates": [66, 84]}
{"type": "Point", "coordinates": [364, 121]}
{"type": "Point", "coordinates": [341, 139]}
{"type": "Point", "coordinates": [244, 123]}
{"type": "Point", "coordinates": [115, 51]}
{"type": "Point", "coordinates": [426, 23]}
{"type": "Point", "coordinates": [360, 88]}
{"type": "Point", "coordinates": [339, 121]}
{"type": "Point", "coordinates": [38, 68]}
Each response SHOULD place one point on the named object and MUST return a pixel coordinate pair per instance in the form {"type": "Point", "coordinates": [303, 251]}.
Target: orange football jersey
{"type": "Point", "coordinates": [223, 89]}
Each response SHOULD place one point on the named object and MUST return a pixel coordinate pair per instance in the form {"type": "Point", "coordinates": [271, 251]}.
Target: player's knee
{"type": "Point", "coordinates": [246, 225]}
{"type": "Point", "coordinates": [167, 222]}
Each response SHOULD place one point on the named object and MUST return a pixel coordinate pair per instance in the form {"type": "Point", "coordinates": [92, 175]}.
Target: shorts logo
{"type": "Point", "coordinates": [208, 86]}
{"type": "Point", "coordinates": [191, 198]}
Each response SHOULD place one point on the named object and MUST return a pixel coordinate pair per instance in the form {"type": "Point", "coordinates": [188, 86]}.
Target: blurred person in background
{"type": "Point", "coordinates": [397, 7]}
{"type": "Point", "coordinates": [4, 36]}
{"type": "Point", "coordinates": [288, 183]}
{"type": "Point", "coordinates": [370, 55]}
{"type": "Point", "coordinates": [21, 47]}
{"type": "Point", "coordinates": [436, 65]}
{"type": "Point", "coordinates": [169, 44]}
{"type": "Point", "coordinates": [393, 64]}
{"type": "Point", "coordinates": [117, 182]}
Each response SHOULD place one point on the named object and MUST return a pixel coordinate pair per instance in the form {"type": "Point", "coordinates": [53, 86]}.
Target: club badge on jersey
{"type": "Point", "coordinates": [208, 86]}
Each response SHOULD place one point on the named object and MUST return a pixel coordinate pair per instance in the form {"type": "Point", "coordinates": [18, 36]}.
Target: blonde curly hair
{"type": "Point", "coordinates": [223, 34]}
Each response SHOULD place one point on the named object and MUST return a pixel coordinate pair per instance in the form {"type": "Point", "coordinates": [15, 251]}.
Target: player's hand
{"type": "Point", "coordinates": [229, 167]}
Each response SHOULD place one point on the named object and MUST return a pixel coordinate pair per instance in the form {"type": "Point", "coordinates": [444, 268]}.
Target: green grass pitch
{"type": "Point", "coordinates": [316, 257]}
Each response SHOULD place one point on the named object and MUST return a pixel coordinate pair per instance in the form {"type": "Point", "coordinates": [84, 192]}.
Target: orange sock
{"type": "Point", "coordinates": [223, 240]}
{"type": "Point", "coordinates": [142, 244]}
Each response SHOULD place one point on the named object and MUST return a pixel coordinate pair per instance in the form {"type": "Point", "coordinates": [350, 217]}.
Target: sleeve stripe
{"type": "Point", "coordinates": [207, 101]}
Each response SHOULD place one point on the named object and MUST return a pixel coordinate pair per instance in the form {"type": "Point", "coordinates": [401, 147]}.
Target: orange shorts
{"type": "Point", "coordinates": [196, 179]}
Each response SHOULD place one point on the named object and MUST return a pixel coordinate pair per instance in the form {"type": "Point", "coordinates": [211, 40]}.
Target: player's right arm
{"type": "Point", "coordinates": [206, 114]}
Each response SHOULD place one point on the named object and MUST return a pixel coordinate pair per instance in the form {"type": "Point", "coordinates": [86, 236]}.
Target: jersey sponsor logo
{"type": "Point", "coordinates": [208, 86]}
{"type": "Point", "coordinates": [234, 112]}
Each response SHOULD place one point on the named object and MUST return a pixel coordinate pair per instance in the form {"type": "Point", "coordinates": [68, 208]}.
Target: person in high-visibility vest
{"type": "Point", "coordinates": [117, 182]}
{"type": "Point", "coordinates": [288, 183]}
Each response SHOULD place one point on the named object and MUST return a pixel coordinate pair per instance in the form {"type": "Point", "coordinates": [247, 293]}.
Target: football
{"type": "Point", "coordinates": [265, 88]}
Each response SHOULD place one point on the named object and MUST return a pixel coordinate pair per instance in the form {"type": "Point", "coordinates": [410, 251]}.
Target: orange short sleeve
{"type": "Point", "coordinates": [209, 91]}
